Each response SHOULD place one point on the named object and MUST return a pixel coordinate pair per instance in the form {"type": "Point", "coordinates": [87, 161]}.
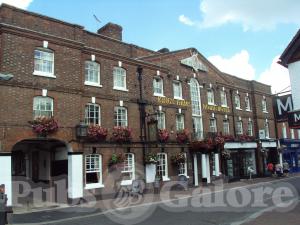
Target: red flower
{"type": "Point", "coordinates": [163, 135]}
{"type": "Point", "coordinates": [44, 125]}
{"type": "Point", "coordinates": [182, 136]}
{"type": "Point", "coordinates": [122, 134]}
{"type": "Point", "coordinates": [97, 132]}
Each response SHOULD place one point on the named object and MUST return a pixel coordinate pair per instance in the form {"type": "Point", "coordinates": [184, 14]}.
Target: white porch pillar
{"type": "Point", "coordinates": [203, 165]}
{"type": "Point", "coordinates": [196, 179]}
{"type": "Point", "coordinates": [280, 159]}
{"type": "Point", "coordinates": [217, 164]}
{"type": "Point", "coordinates": [75, 175]}
{"type": "Point", "coordinates": [6, 175]}
{"type": "Point", "coordinates": [207, 169]}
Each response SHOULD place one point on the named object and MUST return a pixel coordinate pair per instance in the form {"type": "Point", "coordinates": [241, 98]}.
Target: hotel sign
{"type": "Point", "coordinates": [294, 119]}
{"type": "Point", "coordinates": [216, 108]}
{"type": "Point", "coordinates": [282, 106]}
{"type": "Point", "coordinates": [194, 62]}
{"type": "Point", "coordinates": [171, 101]}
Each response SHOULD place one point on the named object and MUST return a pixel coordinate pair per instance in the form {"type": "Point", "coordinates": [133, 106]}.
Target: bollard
{"type": "Point", "coordinates": [3, 202]}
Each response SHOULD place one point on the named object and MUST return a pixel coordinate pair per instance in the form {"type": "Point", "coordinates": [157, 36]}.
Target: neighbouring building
{"type": "Point", "coordinates": [53, 69]}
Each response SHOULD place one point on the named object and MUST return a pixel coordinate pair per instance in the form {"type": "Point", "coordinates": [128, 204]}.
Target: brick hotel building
{"type": "Point", "coordinates": [60, 70]}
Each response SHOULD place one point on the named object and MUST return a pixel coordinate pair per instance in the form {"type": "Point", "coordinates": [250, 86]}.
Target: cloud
{"type": "Point", "coordinates": [276, 75]}
{"type": "Point", "coordinates": [23, 4]}
{"type": "Point", "coordinates": [251, 15]}
{"type": "Point", "coordinates": [185, 20]}
{"type": "Point", "coordinates": [238, 65]}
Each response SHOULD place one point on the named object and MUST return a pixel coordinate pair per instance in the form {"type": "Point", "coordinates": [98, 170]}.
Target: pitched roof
{"type": "Point", "coordinates": [290, 50]}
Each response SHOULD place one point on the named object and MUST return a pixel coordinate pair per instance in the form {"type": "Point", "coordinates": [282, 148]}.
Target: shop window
{"type": "Point", "coordinates": [42, 106]}
{"type": "Point", "coordinates": [93, 170]}
{"type": "Point", "coordinates": [250, 128]}
{"type": "Point", "coordinates": [239, 127]}
{"type": "Point", "coordinates": [158, 86]}
{"type": "Point", "coordinates": [120, 116]}
{"type": "Point", "coordinates": [177, 89]}
{"type": "Point", "coordinates": [161, 120]}
{"type": "Point", "coordinates": [183, 167]}
{"type": "Point", "coordinates": [226, 129]}
{"type": "Point", "coordinates": [237, 102]}
{"type": "Point", "coordinates": [179, 122]}
{"type": "Point", "coordinates": [44, 62]}
{"type": "Point", "coordinates": [223, 98]}
{"type": "Point", "coordinates": [92, 73]}
{"type": "Point", "coordinates": [247, 103]}
{"type": "Point", "coordinates": [212, 125]}
{"type": "Point", "coordinates": [162, 166]}
{"type": "Point", "coordinates": [92, 114]}
{"type": "Point", "coordinates": [210, 97]}
{"type": "Point", "coordinates": [128, 172]}
{"type": "Point", "coordinates": [119, 75]}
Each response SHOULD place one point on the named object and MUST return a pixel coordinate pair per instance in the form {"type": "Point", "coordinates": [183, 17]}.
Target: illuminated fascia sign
{"type": "Point", "coordinates": [194, 62]}
{"type": "Point", "coordinates": [171, 101]}
{"type": "Point", "coordinates": [294, 119]}
{"type": "Point", "coordinates": [216, 108]}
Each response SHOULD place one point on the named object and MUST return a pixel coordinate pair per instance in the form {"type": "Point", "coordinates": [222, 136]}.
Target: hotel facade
{"type": "Point", "coordinates": [76, 81]}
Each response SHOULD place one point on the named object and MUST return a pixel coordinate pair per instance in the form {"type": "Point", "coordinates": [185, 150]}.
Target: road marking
{"type": "Point", "coordinates": [157, 203]}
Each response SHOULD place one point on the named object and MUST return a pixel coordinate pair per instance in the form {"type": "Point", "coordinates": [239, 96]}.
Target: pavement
{"type": "Point", "coordinates": [172, 206]}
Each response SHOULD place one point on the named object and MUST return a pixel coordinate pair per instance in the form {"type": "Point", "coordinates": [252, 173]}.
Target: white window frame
{"type": "Point", "coordinates": [41, 61]}
{"type": "Point", "coordinates": [162, 169]}
{"type": "Point", "coordinates": [92, 69]}
{"type": "Point", "coordinates": [223, 97]}
{"type": "Point", "coordinates": [226, 128]}
{"type": "Point", "coordinates": [239, 127]}
{"type": "Point", "coordinates": [264, 105]}
{"type": "Point", "coordinates": [179, 122]}
{"type": "Point", "coordinates": [88, 112]}
{"type": "Point", "coordinates": [120, 116]}
{"type": "Point", "coordinates": [196, 109]}
{"type": "Point", "coordinates": [88, 169]}
{"type": "Point", "coordinates": [158, 84]}
{"type": "Point", "coordinates": [129, 168]}
{"type": "Point", "coordinates": [298, 131]}
{"type": "Point", "coordinates": [250, 131]}
{"type": "Point", "coordinates": [213, 125]}
{"type": "Point", "coordinates": [247, 103]}
{"type": "Point", "coordinates": [161, 120]}
{"type": "Point", "coordinates": [182, 167]}
{"type": "Point", "coordinates": [42, 102]}
{"type": "Point", "coordinates": [210, 97]}
{"type": "Point", "coordinates": [292, 133]}
{"type": "Point", "coordinates": [177, 90]}
{"type": "Point", "coordinates": [267, 129]}
{"type": "Point", "coordinates": [283, 129]}
{"type": "Point", "coordinates": [119, 75]}
{"type": "Point", "coordinates": [237, 101]}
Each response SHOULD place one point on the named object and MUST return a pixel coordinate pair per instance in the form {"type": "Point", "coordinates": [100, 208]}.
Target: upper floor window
{"type": "Point", "coordinates": [158, 86]}
{"type": "Point", "coordinates": [120, 116]}
{"type": "Point", "coordinates": [42, 106]}
{"type": "Point", "coordinates": [237, 102]}
{"type": "Point", "coordinates": [247, 103]}
{"type": "Point", "coordinates": [239, 127]}
{"type": "Point", "coordinates": [179, 122]}
{"type": "Point", "coordinates": [161, 120]}
{"type": "Point", "coordinates": [212, 125]}
{"type": "Point", "coordinates": [177, 89]}
{"type": "Point", "coordinates": [119, 75]}
{"type": "Point", "coordinates": [264, 105]}
{"type": "Point", "coordinates": [93, 171]}
{"type": "Point", "coordinates": [210, 97]}
{"type": "Point", "coordinates": [43, 62]}
{"type": "Point", "coordinates": [92, 73]}
{"type": "Point", "coordinates": [267, 130]}
{"type": "Point", "coordinates": [92, 114]}
{"type": "Point", "coordinates": [195, 97]}
{"type": "Point", "coordinates": [226, 129]}
{"type": "Point", "coordinates": [250, 128]}
{"type": "Point", "coordinates": [128, 172]}
{"type": "Point", "coordinates": [223, 98]}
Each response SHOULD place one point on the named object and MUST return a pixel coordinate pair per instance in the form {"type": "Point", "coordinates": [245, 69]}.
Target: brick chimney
{"type": "Point", "coordinates": [111, 30]}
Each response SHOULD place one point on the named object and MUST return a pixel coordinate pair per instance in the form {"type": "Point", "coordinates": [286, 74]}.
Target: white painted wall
{"type": "Point", "coordinates": [237, 145]}
{"type": "Point", "coordinates": [5, 176]}
{"type": "Point", "coordinates": [294, 71]}
{"type": "Point", "coordinates": [75, 176]}
{"type": "Point", "coordinates": [196, 179]}
{"type": "Point", "coordinates": [203, 166]}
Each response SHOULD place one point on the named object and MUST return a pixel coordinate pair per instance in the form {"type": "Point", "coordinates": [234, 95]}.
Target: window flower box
{"type": "Point", "coordinates": [182, 136]}
{"type": "Point", "coordinates": [43, 126]}
{"type": "Point", "coordinates": [178, 158]}
{"type": "Point", "coordinates": [116, 161]}
{"type": "Point", "coordinates": [151, 158]}
{"type": "Point", "coordinates": [97, 133]}
{"type": "Point", "coordinates": [163, 135]}
{"type": "Point", "coordinates": [121, 134]}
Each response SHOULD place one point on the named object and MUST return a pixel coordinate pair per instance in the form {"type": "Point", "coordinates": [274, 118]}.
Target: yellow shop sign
{"type": "Point", "coordinates": [216, 108]}
{"type": "Point", "coordinates": [171, 101]}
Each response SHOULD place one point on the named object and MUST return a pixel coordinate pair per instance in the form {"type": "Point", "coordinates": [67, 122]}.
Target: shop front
{"type": "Point", "coordinates": [291, 153]}
{"type": "Point", "coordinates": [242, 160]}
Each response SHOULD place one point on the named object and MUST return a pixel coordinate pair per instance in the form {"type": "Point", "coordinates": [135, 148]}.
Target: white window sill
{"type": "Point", "coordinates": [166, 179]}
{"type": "Point", "coordinates": [265, 112]}
{"type": "Point", "coordinates": [126, 182]}
{"type": "Point", "coordinates": [239, 109]}
{"type": "Point", "coordinates": [158, 95]}
{"type": "Point", "coordinates": [178, 98]}
{"type": "Point", "coordinates": [120, 89]}
{"type": "Point", "coordinates": [92, 84]}
{"type": "Point", "coordinates": [184, 175]}
{"type": "Point", "coordinates": [248, 110]}
{"type": "Point", "coordinates": [211, 104]}
{"type": "Point", "coordinates": [93, 186]}
{"type": "Point", "coordinates": [224, 106]}
{"type": "Point", "coordinates": [42, 74]}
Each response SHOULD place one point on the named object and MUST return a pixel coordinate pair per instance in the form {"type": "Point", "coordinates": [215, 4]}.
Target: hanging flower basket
{"type": "Point", "coordinates": [116, 161]}
{"type": "Point", "coordinates": [228, 138]}
{"type": "Point", "coordinates": [245, 138]}
{"type": "Point", "coordinates": [182, 136]}
{"type": "Point", "coordinates": [178, 158]}
{"type": "Point", "coordinates": [226, 154]}
{"type": "Point", "coordinates": [163, 135]}
{"type": "Point", "coordinates": [43, 126]}
{"type": "Point", "coordinates": [121, 134]}
{"type": "Point", "coordinates": [205, 146]}
{"type": "Point", "coordinates": [151, 158]}
{"type": "Point", "coordinates": [97, 133]}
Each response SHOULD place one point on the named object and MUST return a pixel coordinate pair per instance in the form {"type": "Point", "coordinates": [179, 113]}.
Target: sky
{"type": "Point", "coordinates": [241, 37]}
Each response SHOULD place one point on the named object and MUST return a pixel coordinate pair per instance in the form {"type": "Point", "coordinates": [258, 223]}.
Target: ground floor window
{"type": "Point", "coordinates": [162, 165]}
{"type": "Point", "coordinates": [183, 166]}
{"type": "Point", "coordinates": [93, 169]}
{"type": "Point", "coordinates": [128, 172]}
